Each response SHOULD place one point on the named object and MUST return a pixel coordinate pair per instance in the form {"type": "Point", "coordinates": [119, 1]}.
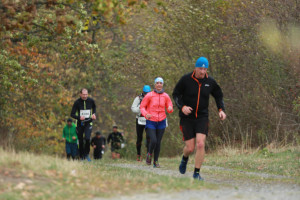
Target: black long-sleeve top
{"type": "Point", "coordinates": [193, 92]}
{"type": "Point", "coordinates": [79, 104]}
{"type": "Point", "coordinates": [115, 137]}
{"type": "Point", "coordinates": [98, 142]}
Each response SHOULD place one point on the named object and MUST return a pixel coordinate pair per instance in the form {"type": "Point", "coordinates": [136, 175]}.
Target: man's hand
{"type": "Point", "coordinates": [82, 118]}
{"type": "Point", "coordinates": [148, 116]}
{"type": "Point", "coordinates": [64, 139]}
{"type": "Point", "coordinates": [74, 138]}
{"type": "Point", "coordinates": [222, 115]}
{"type": "Point", "coordinates": [93, 117]}
{"type": "Point", "coordinates": [103, 147]}
{"type": "Point", "coordinates": [170, 108]}
{"type": "Point", "coordinates": [94, 146]}
{"type": "Point", "coordinates": [187, 110]}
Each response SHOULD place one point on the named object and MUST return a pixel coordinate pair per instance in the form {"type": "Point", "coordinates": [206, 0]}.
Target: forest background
{"type": "Point", "coordinates": [49, 49]}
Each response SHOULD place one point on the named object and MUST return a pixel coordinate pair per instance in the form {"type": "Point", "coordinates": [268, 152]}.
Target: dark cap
{"type": "Point", "coordinates": [69, 120]}
{"type": "Point", "coordinates": [98, 133]}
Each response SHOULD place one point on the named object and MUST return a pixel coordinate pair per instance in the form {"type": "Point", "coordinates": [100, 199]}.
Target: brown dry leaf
{"type": "Point", "coordinates": [30, 174]}
{"type": "Point", "coordinates": [25, 194]}
{"type": "Point", "coordinates": [130, 38]}
{"type": "Point", "coordinates": [20, 186]}
{"type": "Point", "coordinates": [261, 167]}
{"type": "Point", "coordinates": [50, 172]}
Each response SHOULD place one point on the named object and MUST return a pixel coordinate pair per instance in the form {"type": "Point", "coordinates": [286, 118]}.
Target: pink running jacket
{"type": "Point", "coordinates": [156, 104]}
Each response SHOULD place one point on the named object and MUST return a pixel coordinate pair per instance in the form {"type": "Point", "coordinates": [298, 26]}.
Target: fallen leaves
{"type": "Point", "coordinates": [54, 173]}
{"type": "Point", "coordinates": [20, 186]}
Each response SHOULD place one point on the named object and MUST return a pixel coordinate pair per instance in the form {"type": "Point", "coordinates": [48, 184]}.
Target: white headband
{"type": "Point", "coordinates": [159, 79]}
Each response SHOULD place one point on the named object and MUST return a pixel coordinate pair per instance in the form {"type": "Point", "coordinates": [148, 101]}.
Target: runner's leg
{"type": "Point", "coordinates": [153, 140]}
{"type": "Point", "coordinates": [200, 151]}
{"type": "Point", "coordinates": [139, 139]}
{"type": "Point", "coordinates": [80, 130]}
{"type": "Point", "coordinates": [189, 147]}
{"type": "Point", "coordinates": [73, 150]}
{"type": "Point", "coordinates": [147, 140]}
{"type": "Point", "coordinates": [159, 135]}
{"type": "Point", "coordinates": [88, 132]}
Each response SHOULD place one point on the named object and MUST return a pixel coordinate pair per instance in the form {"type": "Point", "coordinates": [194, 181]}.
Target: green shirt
{"type": "Point", "coordinates": [69, 132]}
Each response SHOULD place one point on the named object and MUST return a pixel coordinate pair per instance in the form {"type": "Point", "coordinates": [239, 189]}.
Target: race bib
{"type": "Point", "coordinates": [142, 120]}
{"type": "Point", "coordinates": [85, 113]}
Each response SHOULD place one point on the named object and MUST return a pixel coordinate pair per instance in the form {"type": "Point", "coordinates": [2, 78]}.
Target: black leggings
{"type": "Point", "coordinates": [155, 136]}
{"type": "Point", "coordinates": [97, 154]}
{"type": "Point", "coordinates": [139, 139]}
{"type": "Point", "coordinates": [84, 150]}
{"type": "Point", "coordinates": [69, 156]}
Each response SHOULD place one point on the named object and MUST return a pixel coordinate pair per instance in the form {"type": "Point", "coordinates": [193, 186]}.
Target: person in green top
{"type": "Point", "coordinates": [70, 136]}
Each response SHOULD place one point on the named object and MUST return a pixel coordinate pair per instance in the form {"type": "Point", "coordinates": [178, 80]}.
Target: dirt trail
{"type": "Point", "coordinates": [227, 188]}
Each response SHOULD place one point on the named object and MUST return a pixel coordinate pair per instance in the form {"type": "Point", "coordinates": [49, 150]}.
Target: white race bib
{"type": "Point", "coordinates": [85, 113]}
{"type": "Point", "coordinates": [142, 121]}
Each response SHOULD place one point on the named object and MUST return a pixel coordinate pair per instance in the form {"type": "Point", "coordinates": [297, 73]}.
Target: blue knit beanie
{"type": "Point", "coordinates": [146, 88]}
{"type": "Point", "coordinates": [202, 62]}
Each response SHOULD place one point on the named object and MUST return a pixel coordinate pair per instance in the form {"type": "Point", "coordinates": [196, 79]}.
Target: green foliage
{"type": "Point", "coordinates": [51, 49]}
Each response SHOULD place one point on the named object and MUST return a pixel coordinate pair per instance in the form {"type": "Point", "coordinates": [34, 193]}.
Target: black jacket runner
{"type": "Point", "coordinates": [193, 92]}
{"type": "Point", "coordinates": [98, 142]}
{"type": "Point", "coordinates": [80, 104]}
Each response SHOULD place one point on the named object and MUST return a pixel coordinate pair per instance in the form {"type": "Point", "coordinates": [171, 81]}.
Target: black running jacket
{"type": "Point", "coordinates": [193, 92]}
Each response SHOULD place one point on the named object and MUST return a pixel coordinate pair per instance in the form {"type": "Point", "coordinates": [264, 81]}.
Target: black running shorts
{"type": "Point", "coordinates": [190, 127]}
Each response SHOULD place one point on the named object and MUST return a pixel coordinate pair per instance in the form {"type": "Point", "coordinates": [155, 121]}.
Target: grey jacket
{"type": "Point", "coordinates": [136, 109]}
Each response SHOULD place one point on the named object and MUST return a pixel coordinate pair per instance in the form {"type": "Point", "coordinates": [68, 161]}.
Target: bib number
{"type": "Point", "coordinates": [85, 113]}
{"type": "Point", "coordinates": [142, 120]}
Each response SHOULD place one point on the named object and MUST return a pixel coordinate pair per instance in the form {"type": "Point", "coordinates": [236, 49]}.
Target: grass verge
{"type": "Point", "coordinates": [280, 162]}
{"type": "Point", "coordinates": [29, 176]}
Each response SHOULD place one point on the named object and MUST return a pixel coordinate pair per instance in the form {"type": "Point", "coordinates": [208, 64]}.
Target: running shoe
{"type": "Point", "coordinates": [88, 158]}
{"type": "Point", "coordinates": [149, 159]}
{"type": "Point", "coordinates": [197, 176]}
{"type": "Point", "coordinates": [182, 166]}
{"type": "Point", "coordinates": [138, 158]}
{"type": "Point", "coordinates": [156, 164]}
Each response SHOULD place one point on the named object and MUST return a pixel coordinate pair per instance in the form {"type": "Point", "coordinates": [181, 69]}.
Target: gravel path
{"type": "Point", "coordinates": [228, 188]}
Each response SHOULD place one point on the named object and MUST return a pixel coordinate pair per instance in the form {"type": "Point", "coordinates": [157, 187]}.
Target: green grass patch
{"type": "Point", "coordinates": [29, 176]}
{"type": "Point", "coordinates": [282, 162]}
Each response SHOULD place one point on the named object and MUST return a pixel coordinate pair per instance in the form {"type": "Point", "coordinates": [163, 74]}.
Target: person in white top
{"type": "Point", "coordinates": [140, 121]}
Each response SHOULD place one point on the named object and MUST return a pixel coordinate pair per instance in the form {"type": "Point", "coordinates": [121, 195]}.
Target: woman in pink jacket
{"type": "Point", "coordinates": [153, 108]}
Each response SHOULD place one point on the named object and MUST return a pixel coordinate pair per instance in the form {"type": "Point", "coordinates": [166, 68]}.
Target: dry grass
{"type": "Point", "coordinates": [271, 160]}
{"type": "Point", "coordinates": [29, 176]}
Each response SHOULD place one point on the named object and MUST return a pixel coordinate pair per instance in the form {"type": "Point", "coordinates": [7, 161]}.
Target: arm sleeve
{"type": "Point", "coordinates": [169, 103]}
{"type": "Point", "coordinates": [144, 104]}
{"type": "Point", "coordinates": [135, 108]}
{"type": "Point", "coordinates": [73, 112]}
{"type": "Point", "coordinates": [94, 107]}
{"type": "Point", "coordinates": [75, 135]}
{"type": "Point", "coordinates": [121, 138]}
{"type": "Point", "coordinates": [218, 95]}
{"type": "Point", "coordinates": [177, 94]}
